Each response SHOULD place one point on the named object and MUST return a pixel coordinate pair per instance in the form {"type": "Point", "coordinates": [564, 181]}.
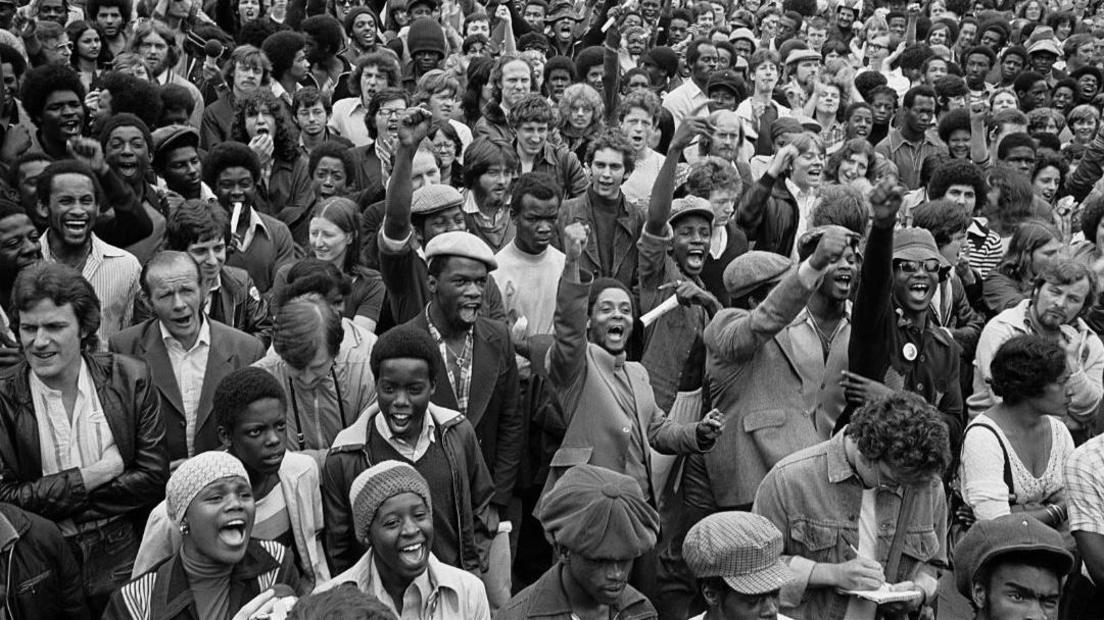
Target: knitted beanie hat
{"type": "Point", "coordinates": [194, 475]}
{"type": "Point", "coordinates": [124, 119]}
{"type": "Point", "coordinates": [425, 35]}
{"type": "Point", "coordinates": [376, 485]}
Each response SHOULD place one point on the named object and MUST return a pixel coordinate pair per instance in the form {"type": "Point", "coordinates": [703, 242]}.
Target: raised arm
{"type": "Point", "coordinates": [413, 127]}
{"type": "Point", "coordinates": [567, 357]}
{"type": "Point", "coordinates": [659, 208]}
{"type": "Point", "coordinates": [749, 211]}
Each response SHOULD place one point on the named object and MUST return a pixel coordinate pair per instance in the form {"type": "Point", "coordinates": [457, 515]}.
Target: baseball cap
{"type": "Point", "coordinates": [988, 539]}
{"type": "Point", "coordinates": [690, 205]}
{"type": "Point", "coordinates": [742, 548]}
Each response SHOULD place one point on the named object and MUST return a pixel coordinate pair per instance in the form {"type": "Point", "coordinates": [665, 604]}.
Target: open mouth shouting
{"type": "Point", "coordinates": [76, 227]}
{"type": "Point", "coordinates": [233, 533]}
{"type": "Point", "coordinates": [414, 555]}
{"type": "Point", "coordinates": [469, 311]}
{"type": "Point", "coordinates": [919, 291]}
{"type": "Point", "coordinates": [695, 259]}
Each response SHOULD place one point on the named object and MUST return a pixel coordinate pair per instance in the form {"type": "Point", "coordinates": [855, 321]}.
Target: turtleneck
{"type": "Point", "coordinates": [210, 584]}
{"type": "Point", "coordinates": [605, 222]}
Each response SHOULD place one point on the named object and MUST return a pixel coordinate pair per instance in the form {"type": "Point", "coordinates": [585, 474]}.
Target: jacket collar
{"type": "Point", "coordinates": [12, 526]}
{"type": "Point", "coordinates": [178, 594]}
{"type": "Point", "coordinates": [549, 599]}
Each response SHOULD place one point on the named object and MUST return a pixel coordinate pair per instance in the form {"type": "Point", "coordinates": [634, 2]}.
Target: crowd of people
{"type": "Point", "coordinates": [579, 309]}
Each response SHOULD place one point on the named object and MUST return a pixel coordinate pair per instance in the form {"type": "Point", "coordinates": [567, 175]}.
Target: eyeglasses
{"type": "Point", "coordinates": [912, 266]}
{"type": "Point", "coordinates": [390, 112]}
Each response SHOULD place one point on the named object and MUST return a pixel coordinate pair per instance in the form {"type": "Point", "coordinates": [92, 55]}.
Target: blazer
{"type": "Point", "coordinates": [492, 401]}
{"type": "Point", "coordinates": [230, 350]}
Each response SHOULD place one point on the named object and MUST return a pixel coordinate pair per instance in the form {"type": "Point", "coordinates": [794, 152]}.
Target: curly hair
{"type": "Point", "coordinates": [710, 174]}
{"type": "Point", "coordinates": [643, 100]}
{"type": "Point", "coordinates": [539, 185]}
{"type": "Point", "coordinates": [326, 31]}
{"type": "Point", "coordinates": [582, 94]}
{"type": "Point", "coordinates": [1024, 366]}
{"type": "Point", "coordinates": [942, 218]}
{"type": "Point", "coordinates": [387, 64]}
{"type": "Point", "coordinates": [133, 95]}
{"type": "Point", "coordinates": [405, 342]}
{"type": "Point", "coordinates": [614, 140]}
{"type": "Point", "coordinates": [854, 146]}
{"type": "Point", "coordinates": [955, 120]}
{"type": "Point", "coordinates": [959, 172]}
{"type": "Point", "coordinates": [261, 100]}
{"type": "Point", "coordinates": [906, 433]}
{"type": "Point", "coordinates": [281, 49]}
{"type": "Point", "coordinates": [62, 285]}
{"type": "Point", "coordinates": [240, 389]}
{"type": "Point", "coordinates": [1037, 120]}
{"type": "Point", "coordinates": [1065, 272]}
{"type": "Point", "coordinates": [92, 8]}
{"type": "Point", "coordinates": [840, 205]}
{"type": "Point", "coordinates": [229, 155]}
{"type": "Point", "coordinates": [41, 82]}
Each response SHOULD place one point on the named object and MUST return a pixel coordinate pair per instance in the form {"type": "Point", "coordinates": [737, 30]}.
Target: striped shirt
{"type": "Point", "coordinates": [458, 365]}
{"type": "Point", "coordinates": [113, 274]}
{"type": "Point", "coordinates": [985, 248]}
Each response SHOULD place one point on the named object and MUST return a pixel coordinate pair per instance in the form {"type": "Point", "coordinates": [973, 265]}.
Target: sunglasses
{"type": "Point", "coordinates": [912, 266]}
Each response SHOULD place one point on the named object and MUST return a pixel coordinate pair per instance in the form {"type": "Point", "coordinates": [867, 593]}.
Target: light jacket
{"type": "Point", "coordinates": [300, 485]}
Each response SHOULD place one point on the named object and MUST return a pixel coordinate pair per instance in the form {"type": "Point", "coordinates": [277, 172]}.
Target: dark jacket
{"type": "Point", "coordinates": [288, 185]}
{"type": "Point", "coordinates": [132, 408]}
{"type": "Point", "coordinates": [164, 593]}
{"type": "Point", "coordinates": [368, 172]}
{"type": "Point", "coordinates": [471, 486]}
{"type": "Point", "coordinates": [217, 119]}
{"type": "Point", "coordinates": [493, 124]}
{"type": "Point", "coordinates": [492, 401]}
{"type": "Point", "coordinates": [239, 304]}
{"type": "Point", "coordinates": [43, 580]}
{"type": "Point", "coordinates": [768, 213]}
{"type": "Point", "coordinates": [229, 350]}
{"type": "Point", "coordinates": [630, 223]}
{"type": "Point", "coordinates": [562, 166]}
{"type": "Point", "coordinates": [546, 599]}
{"type": "Point", "coordinates": [268, 251]}
{"type": "Point", "coordinates": [123, 220]}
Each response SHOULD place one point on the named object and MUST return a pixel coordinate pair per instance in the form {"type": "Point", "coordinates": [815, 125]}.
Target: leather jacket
{"type": "Point", "coordinates": [132, 408]}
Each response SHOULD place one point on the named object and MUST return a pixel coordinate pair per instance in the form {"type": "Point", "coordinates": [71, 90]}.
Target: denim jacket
{"type": "Point", "coordinates": [814, 497]}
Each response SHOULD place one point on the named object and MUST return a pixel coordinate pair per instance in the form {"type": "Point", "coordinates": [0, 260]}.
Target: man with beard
{"type": "Point", "coordinates": [19, 249]}
{"type": "Point", "coordinates": [1062, 294]}
{"type": "Point", "coordinates": [156, 45]}
{"type": "Point", "coordinates": [187, 353]}
{"type": "Point", "coordinates": [910, 144]}
{"type": "Point", "coordinates": [247, 70]}
{"type": "Point", "coordinates": [895, 344]}
{"type": "Point", "coordinates": [489, 169]}
{"type": "Point", "coordinates": [726, 141]}
{"type": "Point", "coordinates": [126, 143]}
{"type": "Point", "coordinates": [111, 16]}
{"type": "Point", "coordinates": [177, 163]}
{"type": "Point", "coordinates": [260, 244]}
{"type": "Point", "coordinates": [71, 194]}
{"type": "Point", "coordinates": [689, 98]}
{"type": "Point", "coordinates": [803, 66]}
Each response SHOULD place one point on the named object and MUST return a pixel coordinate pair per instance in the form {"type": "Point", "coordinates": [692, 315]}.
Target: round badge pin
{"type": "Point", "coordinates": [909, 351]}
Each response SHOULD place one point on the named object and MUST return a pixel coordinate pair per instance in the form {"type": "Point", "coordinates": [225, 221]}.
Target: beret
{"type": "Point", "coordinates": [463, 244]}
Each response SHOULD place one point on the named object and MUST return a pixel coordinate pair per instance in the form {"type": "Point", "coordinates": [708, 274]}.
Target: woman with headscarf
{"type": "Point", "coordinates": [219, 568]}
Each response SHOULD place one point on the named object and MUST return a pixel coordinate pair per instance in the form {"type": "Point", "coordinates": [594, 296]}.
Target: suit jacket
{"type": "Point", "coordinates": [492, 401]}
{"type": "Point", "coordinates": [230, 350]}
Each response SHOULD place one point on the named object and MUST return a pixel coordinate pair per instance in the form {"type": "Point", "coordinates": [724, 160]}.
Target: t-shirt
{"type": "Point", "coordinates": [527, 285]}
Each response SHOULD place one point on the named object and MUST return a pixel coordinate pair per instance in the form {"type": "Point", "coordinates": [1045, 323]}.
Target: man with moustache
{"type": "Point", "coordinates": [489, 169]}
{"type": "Point", "coordinates": [83, 443]}
{"type": "Point", "coordinates": [71, 195]}
{"type": "Point", "coordinates": [1062, 295]}
{"type": "Point", "coordinates": [247, 70]}
{"type": "Point", "coordinates": [155, 43]}
{"type": "Point", "coordinates": [187, 353]}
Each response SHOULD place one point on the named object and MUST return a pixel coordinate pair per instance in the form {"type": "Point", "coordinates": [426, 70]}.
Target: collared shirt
{"type": "Point", "coordinates": [421, 444]}
{"type": "Point", "coordinates": [806, 200]}
{"type": "Point", "coordinates": [681, 101]}
{"type": "Point", "coordinates": [255, 224]}
{"type": "Point", "coordinates": [113, 274]}
{"type": "Point", "coordinates": [281, 92]}
{"type": "Point", "coordinates": [189, 367]}
{"type": "Point", "coordinates": [458, 365]}
{"type": "Point", "coordinates": [1082, 482]}
{"type": "Point", "coordinates": [212, 291]}
{"type": "Point", "coordinates": [348, 121]}
{"type": "Point", "coordinates": [909, 156]}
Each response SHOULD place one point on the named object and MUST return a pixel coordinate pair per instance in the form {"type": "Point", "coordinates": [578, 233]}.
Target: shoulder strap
{"type": "Point", "coordinates": [896, 548]}
{"type": "Point", "coordinates": [1004, 452]}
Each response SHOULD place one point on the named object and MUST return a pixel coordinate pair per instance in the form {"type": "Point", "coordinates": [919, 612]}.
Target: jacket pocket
{"type": "Point", "coordinates": [569, 457]}
{"type": "Point", "coordinates": [921, 546]}
{"type": "Point", "coordinates": [820, 542]}
{"type": "Point", "coordinates": [778, 433]}
{"type": "Point", "coordinates": [30, 586]}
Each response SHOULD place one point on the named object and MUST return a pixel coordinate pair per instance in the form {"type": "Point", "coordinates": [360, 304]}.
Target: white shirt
{"type": "Point", "coordinates": [638, 187]}
{"type": "Point", "coordinates": [421, 445]}
{"type": "Point", "coordinates": [189, 367]}
{"type": "Point", "coordinates": [348, 119]}
{"type": "Point", "coordinates": [681, 101]}
{"type": "Point", "coordinates": [113, 274]}
{"type": "Point", "coordinates": [857, 608]}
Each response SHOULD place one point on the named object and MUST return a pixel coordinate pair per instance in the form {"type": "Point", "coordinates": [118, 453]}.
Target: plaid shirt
{"type": "Point", "coordinates": [459, 367]}
{"type": "Point", "coordinates": [1085, 487]}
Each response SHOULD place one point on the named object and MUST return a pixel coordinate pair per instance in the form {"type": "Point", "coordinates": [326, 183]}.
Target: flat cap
{"type": "Point", "coordinates": [173, 136]}
{"type": "Point", "coordinates": [600, 514]}
{"type": "Point", "coordinates": [785, 124]}
{"type": "Point", "coordinates": [462, 244]}
{"type": "Point", "coordinates": [744, 34]}
{"type": "Point", "coordinates": [725, 79]}
{"type": "Point", "coordinates": [802, 54]}
{"type": "Point", "coordinates": [435, 197]}
{"type": "Point", "coordinates": [751, 269]}
{"type": "Point", "coordinates": [987, 540]}
{"type": "Point", "coordinates": [1045, 46]}
{"type": "Point", "coordinates": [742, 548]}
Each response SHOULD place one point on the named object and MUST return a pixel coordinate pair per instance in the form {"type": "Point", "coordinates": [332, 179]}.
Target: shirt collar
{"type": "Point", "coordinates": [85, 386]}
{"type": "Point", "coordinates": [796, 191]}
{"type": "Point", "coordinates": [203, 339]}
{"type": "Point", "coordinates": [429, 429]}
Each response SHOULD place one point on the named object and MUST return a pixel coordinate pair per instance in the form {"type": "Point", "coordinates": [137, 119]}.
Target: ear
{"type": "Point", "coordinates": [431, 284]}
{"type": "Point", "coordinates": [978, 595]}
{"type": "Point", "coordinates": [223, 437]}
{"type": "Point", "coordinates": [42, 210]}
